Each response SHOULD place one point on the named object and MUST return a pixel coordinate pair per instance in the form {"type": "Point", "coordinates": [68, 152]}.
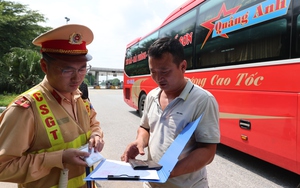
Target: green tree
{"type": "Point", "coordinates": [21, 70]}
{"type": "Point", "coordinates": [115, 82]}
{"type": "Point", "coordinates": [19, 58]}
{"type": "Point", "coordinates": [18, 26]}
{"type": "Point", "coordinates": [89, 79]}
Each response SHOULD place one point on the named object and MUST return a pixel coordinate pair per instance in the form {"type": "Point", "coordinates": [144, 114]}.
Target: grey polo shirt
{"type": "Point", "coordinates": [165, 125]}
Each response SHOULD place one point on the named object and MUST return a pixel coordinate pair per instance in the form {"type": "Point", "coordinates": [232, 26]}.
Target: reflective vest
{"type": "Point", "coordinates": [55, 134]}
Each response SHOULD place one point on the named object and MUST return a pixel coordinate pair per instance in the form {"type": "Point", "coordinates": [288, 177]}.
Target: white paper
{"type": "Point", "coordinates": [112, 167]}
{"type": "Point", "coordinates": [94, 156]}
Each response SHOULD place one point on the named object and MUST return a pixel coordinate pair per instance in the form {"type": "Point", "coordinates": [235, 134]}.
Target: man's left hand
{"type": "Point", "coordinates": [97, 142]}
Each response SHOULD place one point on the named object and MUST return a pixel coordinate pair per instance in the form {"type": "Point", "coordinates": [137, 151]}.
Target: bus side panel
{"type": "Point", "coordinates": [275, 76]}
{"type": "Point", "coordinates": [134, 87]}
{"type": "Point", "coordinates": [298, 137]}
{"type": "Point", "coordinates": [127, 97]}
{"type": "Point", "coordinates": [272, 118]}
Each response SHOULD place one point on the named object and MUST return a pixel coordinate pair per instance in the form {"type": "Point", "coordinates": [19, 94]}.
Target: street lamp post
{"type": "Point", "coordinates": [67, 20]}
{"type": "Point", "coordinates": [90, 74]}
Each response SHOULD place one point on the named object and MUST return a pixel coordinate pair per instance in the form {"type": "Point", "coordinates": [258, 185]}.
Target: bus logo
{"type": "Point", "coordinates": [234, 20]}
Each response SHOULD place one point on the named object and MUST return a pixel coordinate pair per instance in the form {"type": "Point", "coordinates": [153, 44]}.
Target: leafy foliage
{"type": "Point", "coordinates": [18, 26]}
{"type": "Point", "coordinates": [22, 70]}
{"type": "Point", "coordinates": [89, 79]}
{"type": "Point", "coordinates": [5, 100]}
{"type": "Point", "coordinates": [19, 58]}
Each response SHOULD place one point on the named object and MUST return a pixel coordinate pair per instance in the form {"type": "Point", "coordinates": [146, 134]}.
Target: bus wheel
{"type": "Point", "coordinates": [141, 104]}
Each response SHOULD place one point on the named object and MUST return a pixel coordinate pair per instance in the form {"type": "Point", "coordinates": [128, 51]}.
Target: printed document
{"type": "Point", "coordinates": [121, 168]}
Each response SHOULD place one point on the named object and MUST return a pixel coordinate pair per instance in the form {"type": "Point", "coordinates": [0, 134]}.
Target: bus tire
{"type": "Point", "coordinates": [141, 104]}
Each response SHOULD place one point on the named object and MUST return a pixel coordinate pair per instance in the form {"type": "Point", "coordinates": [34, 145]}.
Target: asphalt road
{"type": "Point", "coordinates": [230, 168]}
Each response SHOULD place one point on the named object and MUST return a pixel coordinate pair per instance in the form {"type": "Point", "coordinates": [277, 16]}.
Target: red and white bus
{"type": "Point", "coordinates": [247, 54]}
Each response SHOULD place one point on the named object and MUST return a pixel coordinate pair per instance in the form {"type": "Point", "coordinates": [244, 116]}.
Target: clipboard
{"type": "Point", "coordinates": [168, 160]}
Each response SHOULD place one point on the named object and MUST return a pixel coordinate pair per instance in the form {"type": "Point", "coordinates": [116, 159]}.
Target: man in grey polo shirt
{"type": "Point", "coordinates": [168, 109]}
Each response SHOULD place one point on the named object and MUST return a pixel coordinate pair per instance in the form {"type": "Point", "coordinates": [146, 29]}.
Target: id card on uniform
{"type": "Point", "coordinates": [94, 156]}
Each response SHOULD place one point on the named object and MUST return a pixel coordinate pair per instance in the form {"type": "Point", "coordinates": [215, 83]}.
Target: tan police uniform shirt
{"type": "Point", "coordinates": [22, 135]}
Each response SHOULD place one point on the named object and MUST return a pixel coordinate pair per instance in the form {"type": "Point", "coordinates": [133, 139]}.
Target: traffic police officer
{"type": "Point", "coordinates": [41, 131]}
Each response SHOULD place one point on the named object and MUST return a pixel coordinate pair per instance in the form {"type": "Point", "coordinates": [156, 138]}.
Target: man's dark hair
{"type": "Point", "coordinates": [167, 44]}
{"type": "Point", "coordinates": [84, 89]}
{"type": "Point", "coordinates": [47, 58]}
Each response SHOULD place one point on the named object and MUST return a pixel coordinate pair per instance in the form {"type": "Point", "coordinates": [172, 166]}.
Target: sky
{"type": "Point", "coordinates": [114, 23]}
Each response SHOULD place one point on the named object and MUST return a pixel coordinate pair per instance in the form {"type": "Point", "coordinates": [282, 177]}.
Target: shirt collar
{"type": "Point", "coordinates": [187, 90]}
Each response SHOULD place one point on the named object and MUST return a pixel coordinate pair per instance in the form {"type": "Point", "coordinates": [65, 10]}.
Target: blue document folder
{"type": "Point", "coordinates": [168, 160]}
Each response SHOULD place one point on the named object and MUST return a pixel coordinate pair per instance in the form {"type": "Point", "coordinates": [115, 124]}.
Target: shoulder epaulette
{"type": "Point", "coordinates": [23, 102]}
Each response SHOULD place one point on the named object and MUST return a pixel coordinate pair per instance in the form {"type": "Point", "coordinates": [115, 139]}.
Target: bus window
{"type": "Point", "coordinates": [264, 41]}
{"type": "Point", "coordinates": [295, 50]}
{"type": "Point", "coordinates": [147, 41]}
{"type": "Point", "coordinates": [144, 44]}
{"type": "Point", "coordinates": [136, 62]}
{"type": "Point", "coordinates": [298, 36]}
{"type": "Point", "coordinates": [130, 66]}
{"type": "Point", "coordinates": [183, 29]}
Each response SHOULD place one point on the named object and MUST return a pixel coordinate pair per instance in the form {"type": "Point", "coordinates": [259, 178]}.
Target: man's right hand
{"type": "Point", "coordinates": [132, 150]}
